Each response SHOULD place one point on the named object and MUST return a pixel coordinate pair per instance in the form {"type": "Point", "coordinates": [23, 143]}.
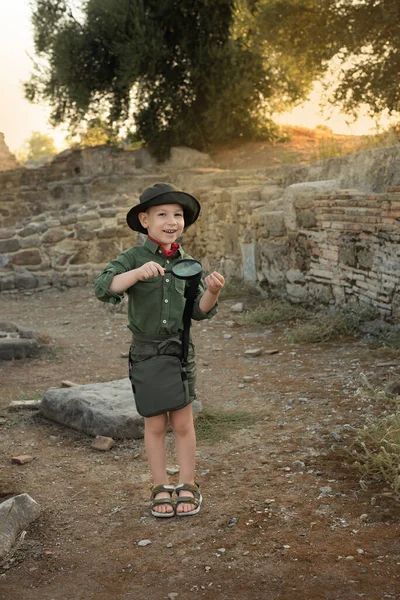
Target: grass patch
{"type": "Point", "coordinates": [376, 452]}
{"type": "Point", "coordinates": [274, 311]}
{"type": "Point", "coordinates": [214, 426]}
{"type": "Point", "coordinates": [329, 325]}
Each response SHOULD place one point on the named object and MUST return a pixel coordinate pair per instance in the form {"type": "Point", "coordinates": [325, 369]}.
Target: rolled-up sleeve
{"type": "Point", "coordinates": [123, 263]}
{"type": "Point", "coordinates": [198, 314]}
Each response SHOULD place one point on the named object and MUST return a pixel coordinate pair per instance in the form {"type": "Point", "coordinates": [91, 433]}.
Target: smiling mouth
{"type": "Point", "coordinates": [169, 230]}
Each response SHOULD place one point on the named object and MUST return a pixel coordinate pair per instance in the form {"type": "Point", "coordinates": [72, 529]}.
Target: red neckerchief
{"type": "Point", "coordinates": [168, 253]}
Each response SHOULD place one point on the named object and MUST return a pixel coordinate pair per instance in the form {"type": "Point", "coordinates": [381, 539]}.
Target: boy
{"type": "Point", "coordinates": [155, 310]}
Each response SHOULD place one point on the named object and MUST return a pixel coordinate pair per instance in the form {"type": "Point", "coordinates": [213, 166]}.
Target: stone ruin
{"type": "Point", "coordinates": [16, 342]}
{"type": "Point", "coordinates": [7, 160]}
{"type": "Point", "coordinates": [323, 233]}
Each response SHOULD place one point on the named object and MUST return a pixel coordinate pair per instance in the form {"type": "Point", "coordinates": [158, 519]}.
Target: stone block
{"type": "Point", "coordinates": [52, 236]}
{"type": "Point", "coordinates": [106, 409]}
{"type": "Point", "coordinates": [32, 241]}
{"type": "Point", "coordinates": [27, 257]}
{"type": "Point", "coordinates": [15, 515]}
{"type": "Point", "coordinates": [297, 293]}
{"type": "Point", "coordinates": [102, 443]}
{"type": "Point", "coordinates": [7, 282]}
{"type": "Point", "coordinates": [107, 232]}
{"type": "Point", "coordinates": [295, 276]}
{"type": "Point", "coordinates": [33, 228]}
{"type": "Point", "coordinates": [9, 245]}
{"type": "Point", "coordinates": [25, 281]}
{"type": "Point", "coordinates": [17, 348]}
{"type": "Point", "coordinates": [5, 234]}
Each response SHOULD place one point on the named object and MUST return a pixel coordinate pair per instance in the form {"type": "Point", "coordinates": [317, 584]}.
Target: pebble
{"type": "Point", "coordinates": [230, 324]}
{"type": "Point", "coordinates": [169, 545]}
{"type": "Point", "coordinates": [248, 378]}
{"type": "Point", "coordinates": [336, 436]}
{"type": "Point", "coordinates": [172, 471]}
{"type": "Point", "coordinates": [325, 491]}
{"type": "Point", "coordinates": [299, 464]}
{"type": "Point", "coordinates": [238, 307]}
{"type": "Point", "coordinates": [253, 352]}
{"type": "Point", "coordinates": [241, 386]}
{"type": "Point", "coordinates": [363, 517]}
{"type": "Point", "coordinates": [221, 550]}
{"type": "Point", "coordinates": [232, 522]}
{"type": "Point", "coordinates": [173, 595]}
{"type": "Point", "coordinates": [207, 569]}
{"type": "Point", "coordinates": [22, 459]}
{"type": "Point", "coordinates": [144, 542]}
{"type": "Point", "coordinates": [227, 336]}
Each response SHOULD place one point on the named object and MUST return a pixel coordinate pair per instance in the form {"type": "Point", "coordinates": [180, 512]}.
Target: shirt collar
{"type": "Point", "coordinates": [154, 246]}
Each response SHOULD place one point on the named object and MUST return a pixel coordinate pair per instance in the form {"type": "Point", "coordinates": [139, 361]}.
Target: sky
{"type": "Point", "coordinates": [19, 118]}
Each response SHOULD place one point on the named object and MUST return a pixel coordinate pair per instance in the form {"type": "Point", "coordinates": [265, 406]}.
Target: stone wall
{"type": "Point", "coordinates": [310, 242]}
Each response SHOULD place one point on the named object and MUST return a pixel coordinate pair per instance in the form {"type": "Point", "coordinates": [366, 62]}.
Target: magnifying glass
{"type": "Point", "coordinates": [186, 269]}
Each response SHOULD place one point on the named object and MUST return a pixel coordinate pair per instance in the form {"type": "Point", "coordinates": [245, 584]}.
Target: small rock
{"type": "Point", "coordinates": [325, 491]}
{"type": "Point", "coordinates": [299, 464]}
{"type": "Point", "coordinates": [238, 307]}
{"type": "Point", "coordinates": [252, 352]}
{"type": "Point", "coordinates": [241, 386]}
{"type": "Point", "coordinates": [169, 545]}
{"type": "Point", "coordinates": [102, 443]}
{"type": "Point", "coordinates": [230, 324]}
{"type": "Point", "coordinates": [336, 436]}
{"type": "Point", "coordinates": [232, 522]}
{"type": "Point", "coordinates": [68, 384]}
{"type": "Point", "coordinates": [172, 470]}
{"type": "Point", "coordinates": [22, 459]}
{"type": "Point", "coordinates": [24, 404]}
{"type": "Point", "coordinates": [271, 351]}
{"type": "Point", "coordinates": [144, 543]}
{"type": "Point", "coordinates": [124, 355]}
{"type": "Point", "coordinates": [227, 336]}
{"type": "Point", "coordinates": [364, 517]}
{"type": "Point", "coordinates": [269, 501]}
{"type": "Point", "coordinates": [173, 595]}
{"type": "Point", "coordinates": [360, 551]}
{"type": "Point", "coordinates": [221, 550]}
{"type": "Point", "coordinates": [248, 378]}
{"type": "Point", "coordinates": [207, 569]}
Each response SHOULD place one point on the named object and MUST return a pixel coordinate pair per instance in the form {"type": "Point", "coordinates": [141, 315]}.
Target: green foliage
{"type": "Point", "coordinates": [271, 312]}
{"type": "Point", "coordinates": [95, 132]}
{"type": "Point", "coordinates": [328, 325]}
{"type": "Point", "coordinates": [375, 450]}
{"type": "Point", "coordinates": [195, 72]}
{"type": "Point", "coordinates": [363, 36]}
{"type": "Point", "coordinates": [38, 145]}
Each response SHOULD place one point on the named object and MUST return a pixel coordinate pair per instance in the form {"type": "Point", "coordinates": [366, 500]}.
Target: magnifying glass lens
{"type": "Point", "coordinates": [186, 269]}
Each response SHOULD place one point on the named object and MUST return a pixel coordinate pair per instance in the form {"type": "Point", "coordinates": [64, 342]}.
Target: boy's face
{"type": "Point", "coordinates": [164, 223]}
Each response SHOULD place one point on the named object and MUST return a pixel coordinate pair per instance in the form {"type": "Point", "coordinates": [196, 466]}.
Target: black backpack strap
{"type": "Point", "coordinates": [190, 293]}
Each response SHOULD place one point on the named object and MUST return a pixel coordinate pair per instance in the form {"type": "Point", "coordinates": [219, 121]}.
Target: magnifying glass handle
{"type": "Point", "coordinates": [167, 270]}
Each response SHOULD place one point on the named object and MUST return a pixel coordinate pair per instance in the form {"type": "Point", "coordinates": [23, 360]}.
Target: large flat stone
{"type": "Point", "coordinates": [106, 409]}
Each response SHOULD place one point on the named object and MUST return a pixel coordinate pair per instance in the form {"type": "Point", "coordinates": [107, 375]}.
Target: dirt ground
{"type": "Point", "coordinates": [283, 515]}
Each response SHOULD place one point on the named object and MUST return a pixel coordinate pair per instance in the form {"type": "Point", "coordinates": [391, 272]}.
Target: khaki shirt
{"type": "Point", "coordinates": [156, 305]}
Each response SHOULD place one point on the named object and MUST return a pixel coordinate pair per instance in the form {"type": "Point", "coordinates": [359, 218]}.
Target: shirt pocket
{"type": "Point", "coordinates": [148, 286]}
{"type": "Point", "coordinates": [180, 285]}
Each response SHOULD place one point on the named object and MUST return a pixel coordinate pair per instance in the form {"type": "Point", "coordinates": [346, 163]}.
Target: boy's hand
{"type": "Point", "coordinates": [149, 270]}
{"type": "Point", "coordinates": [214, 282]}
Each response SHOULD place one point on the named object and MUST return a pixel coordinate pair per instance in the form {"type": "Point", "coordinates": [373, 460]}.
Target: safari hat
{"type": "Point", "coordinates": [163, 193]}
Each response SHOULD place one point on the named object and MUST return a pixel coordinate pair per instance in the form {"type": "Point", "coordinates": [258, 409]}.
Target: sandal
{"type": "Point", "coordinates": [196, 500]}
{"type": "Point", "coordinates": [157, 501]}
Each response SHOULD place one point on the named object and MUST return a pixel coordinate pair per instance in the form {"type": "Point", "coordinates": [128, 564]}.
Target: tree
{"type": "Point", "coordinates": [362, 36]}
{"type": "Point", "coordinates": [177, 68]}
{"type": "Point", "coordinates": [38, 145]}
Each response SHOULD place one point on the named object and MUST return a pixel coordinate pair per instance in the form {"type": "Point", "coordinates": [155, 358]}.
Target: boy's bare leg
{"type": "Point", "coordinates": [155, 429]}
{"type": "Point", "coordinates": [185, 444]}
